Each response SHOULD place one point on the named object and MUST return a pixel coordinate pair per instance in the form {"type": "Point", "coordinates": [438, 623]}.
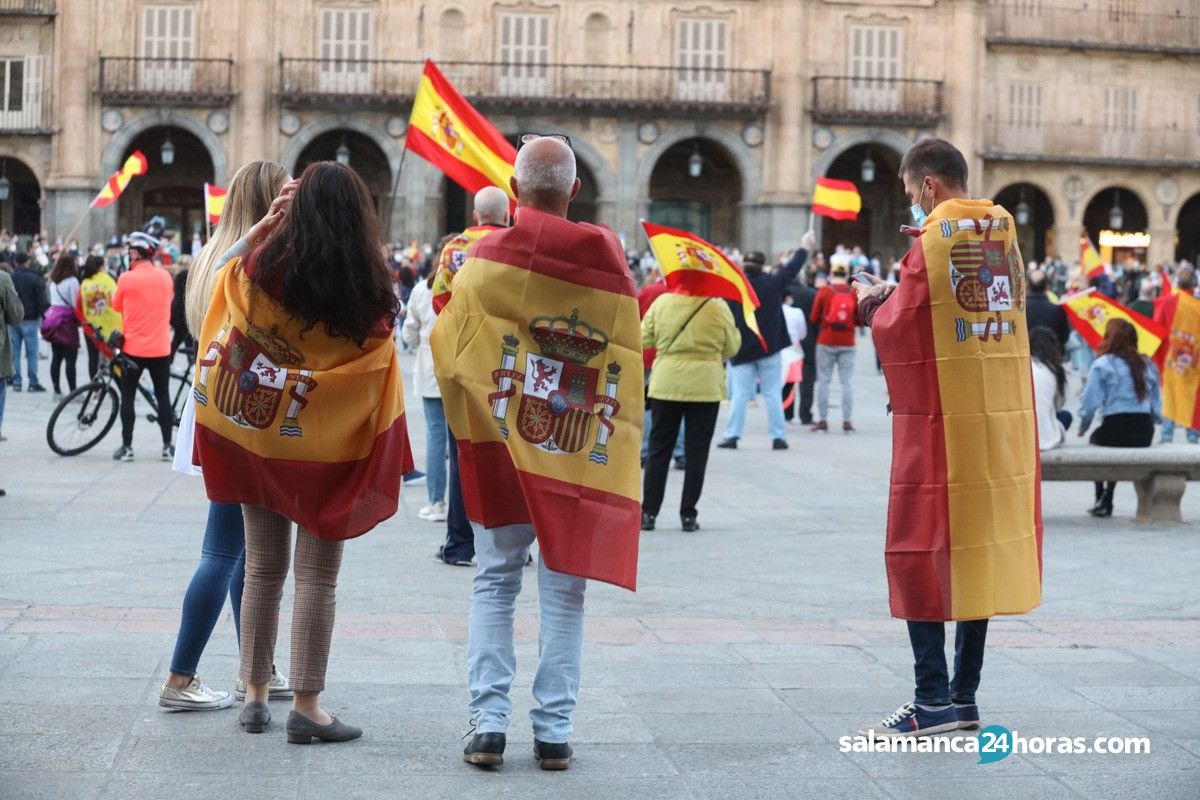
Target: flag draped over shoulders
{"type": "Point", "coordinates": [964, 516]}
{"type": "Point", "coordinates": [1179, 314]}
{"type": "Point", "coordinates": [451, 260]}
{"type": "Point", "coordinates": [309, 426]}
{"type": "Point", "coordinates": [539, 359]}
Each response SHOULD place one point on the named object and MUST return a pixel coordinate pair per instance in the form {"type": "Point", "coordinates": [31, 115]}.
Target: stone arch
{"type": "Point", "coordinates": [891, 139]}
{"type": "Point", "coordinates": [741, 155]}
{"type": "Point", "coordinates": [318, 127]}
{"type": "Point", "coordinates": [110, 160]}
{"type": "Point", "coordinates": [1058, 203]}
{"type": "Point", "coordinates": [32, 164]}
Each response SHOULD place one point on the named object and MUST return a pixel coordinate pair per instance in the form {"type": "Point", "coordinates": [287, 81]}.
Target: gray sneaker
{"type": "Point", "coordinates": [195, 697]}
{"type": "Point", "coordinates": [277, 688]}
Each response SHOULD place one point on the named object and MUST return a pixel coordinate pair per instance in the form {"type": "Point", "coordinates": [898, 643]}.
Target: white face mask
{"type": "Point", "coordinates": [918, 209]}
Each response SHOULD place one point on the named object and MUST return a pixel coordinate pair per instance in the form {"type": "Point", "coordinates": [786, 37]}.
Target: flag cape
{"type": "Point", "coordinates": [1092, 265]}
{"type": "Point", "coordinates": [308, 426]}
{"type": "Point", "coordinates": [964, 532]}
{"type": "Point", "coordinates": [449, 133]}
{"type": "Point", "coordinates": [692, 266]}
{"type": "Point", "coordinates": [452, 257]}
{"type": "Point", "coordinates": [836, 199]}
{"type": "Point", "coordinates": [1089, 312]}
{"type": "Point", "coordinates": [135, 165]}
{"type": "Point", "coordinates": [214, 202]}
{"type": "Point", "coordinates": [1180, 314]}
{"type": "Point", "coordinates": [1168, 287]}
{"type": "Point", "coordinates": [539, 359]}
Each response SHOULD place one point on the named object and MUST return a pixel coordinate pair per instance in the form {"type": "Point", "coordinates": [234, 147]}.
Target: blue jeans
{"type": "Point", "coordinates": [843, 358]}
{"type": "Point", "coordinates": [25, 334]}
{"type": "Point", "coordinates": [1168, 428]}
{"type": "Point", "coordinates": [929, 652]}
{"type": "Point", "coordinates": [769, 372]}
{"type": "Point", "coordinates": [491, 658]}
{"type": "Point", "coordinates": [435, 449]}
{"type": "Point", "coordinates": [3, 394]}
{"type": "Point", "coordinates": [222, 571]}
{"type": "Point", "coordinates": [460, 538]}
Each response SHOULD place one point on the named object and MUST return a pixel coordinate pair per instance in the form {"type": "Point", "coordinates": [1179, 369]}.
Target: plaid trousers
{"type": "Point", "coordinates": [268, 552]}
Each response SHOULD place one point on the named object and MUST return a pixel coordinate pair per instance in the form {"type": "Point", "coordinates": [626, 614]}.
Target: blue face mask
{"type": "Point", "coordinates": [918, 214]}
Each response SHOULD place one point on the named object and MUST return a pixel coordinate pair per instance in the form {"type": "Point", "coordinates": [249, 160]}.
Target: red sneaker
{"type": "Point", "coordinates": [819, 425]}
{"type": "Point", "coordinates": [847, 427]}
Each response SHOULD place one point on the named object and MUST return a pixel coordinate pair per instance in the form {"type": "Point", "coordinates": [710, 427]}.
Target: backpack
{"type": "Point", "coordinates": [839, 316]}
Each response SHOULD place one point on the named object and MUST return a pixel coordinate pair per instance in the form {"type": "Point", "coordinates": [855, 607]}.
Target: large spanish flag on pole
{"type": "Point", "coordinates": [539, 361]}
{"type": "Point", "coordinates": [135, 165]}
{"type": "Point", "coordinates": [449, 133]}
{"type": "Point", "coordinates": [1180, 314]}
{"type": "Point", "coordinates": [1093, 267]}
{"type": "Point", "coordinates": [836, 199]}
{"type": "Point", "coordinates": [293, 420]}
{"type": "Point", "coordinates": [1089, 312]}
{"type": "Point", "coordinates": [694, 267]}
{"type": "Point", "coordinates": [964, 536]}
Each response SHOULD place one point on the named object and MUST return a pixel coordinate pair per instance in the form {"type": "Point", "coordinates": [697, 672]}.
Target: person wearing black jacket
{"type": "Point", "coordinates": [31, 289]}
{"type": "Point", "coordinates": [753, 363]}
{"type": "Point", "coordinates": [1042, 312]}
{"type": "Point", "coordinates": [803, 296]}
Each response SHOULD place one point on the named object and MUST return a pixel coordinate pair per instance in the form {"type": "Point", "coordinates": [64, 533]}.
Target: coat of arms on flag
{"type": "Point", "coordinates": [986, 277]}
{"type": "Point", "coordinates": [559, 391]}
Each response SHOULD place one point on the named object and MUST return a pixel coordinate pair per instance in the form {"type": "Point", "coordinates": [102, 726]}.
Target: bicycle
{"type": "Point", "coordinates": [87, 414]}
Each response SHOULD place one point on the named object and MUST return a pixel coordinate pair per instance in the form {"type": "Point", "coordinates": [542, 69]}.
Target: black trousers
{"type": "Point", "coordinates": [62, 355]}
{"type": "Point", "coordinates": [93, 357]}
{"type": "Point", "coordinates": [806, 387]}
{"type": "Point", "coordinates": [160, 376]}
{"type": "Point", "coordinates": [1121, 430]}
{"type": "Point", "coordinates": [700, 420]}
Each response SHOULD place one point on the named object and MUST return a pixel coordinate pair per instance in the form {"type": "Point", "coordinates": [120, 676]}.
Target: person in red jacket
{"type": "Point", "coordinates": [836, 312]}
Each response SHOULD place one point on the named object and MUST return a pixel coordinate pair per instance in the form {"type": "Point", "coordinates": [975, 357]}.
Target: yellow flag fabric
{"type": "Point", "coordinates": [1089, 313]}
{"type": "Point", "coordinates": [1181, 372]}
{"type": "Point", "coordinates": [451, 260]}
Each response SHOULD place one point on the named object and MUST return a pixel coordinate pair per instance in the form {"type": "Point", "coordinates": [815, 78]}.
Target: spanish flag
{"type": "Point", "coordinates": [694, 267]}
{"type": "Point", "coordinates": [449, 133]}
{"type": "Point", "coordinates": [1168, 287]}
{"type": "Point", "coordinates": [1089, 312]}
{"type": "Point", "coordinates": [214, 202]}
{"type": "Point", "coordinates": [836, 199]}
{"type": "Point", "coordinates": [539, 360]}
{"type": "Point", "coordinates": [1093, 267]}
{"type": "Point", "coordinates": [306, 425]}
{"type": "Point", "coordinates": [135, 165]}
{"type": "Point", "coordinates": [964, 537]}
{"type": "Point", "coordinates": [451, 260]}
{"type": "Point", "coordinates": [1180, 315]}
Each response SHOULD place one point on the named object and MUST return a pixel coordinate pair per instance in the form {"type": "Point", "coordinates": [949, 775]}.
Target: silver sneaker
{"type": "Point", "coordinates": [195, 697]}
{"type": "Point", "coordinates": [277, 688]}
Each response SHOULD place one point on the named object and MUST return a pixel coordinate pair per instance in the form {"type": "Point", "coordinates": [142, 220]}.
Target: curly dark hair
{"type": "Point", "coordinates": [1121, 341]}
{"type": "Point", "coordinates": [326, 257]}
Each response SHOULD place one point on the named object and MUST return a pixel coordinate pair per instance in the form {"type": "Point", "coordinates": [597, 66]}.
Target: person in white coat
{"type": "Point", "coordinates": [418, 327]}
{"type": "Point", "coordinates": [1049, 387]}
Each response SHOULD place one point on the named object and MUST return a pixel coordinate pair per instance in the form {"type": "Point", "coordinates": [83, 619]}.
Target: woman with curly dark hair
{"type": "Point", "coordinates": [1124, 385]}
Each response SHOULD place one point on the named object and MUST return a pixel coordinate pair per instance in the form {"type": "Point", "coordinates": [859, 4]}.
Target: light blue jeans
{"type": "Point", "coordinates": [491, 658]}
{"type": "Point", "coordinates": [25, 334]}
{"type": "Point", "coordinates": [1168, 429]}
{"type": "Point", "coordinates": [827, 358]}
{"type": "Point", "coordinates": [435, 449]}
{"type": "Point", "coordinates": [3, 394]}
{"type": "Point", "coordinates": [769, 372]}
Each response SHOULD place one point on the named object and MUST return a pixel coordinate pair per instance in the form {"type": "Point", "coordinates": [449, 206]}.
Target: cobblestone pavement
{"type": "Point", "coordinates": [750, 648]}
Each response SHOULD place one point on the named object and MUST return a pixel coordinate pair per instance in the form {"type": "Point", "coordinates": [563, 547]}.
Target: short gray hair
{"type": "Point", "coordinates": [544, 174]}
{"type": "Point", "coordinates": [491, 204]}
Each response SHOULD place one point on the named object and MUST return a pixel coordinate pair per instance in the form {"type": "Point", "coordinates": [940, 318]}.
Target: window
{"type": "Point", "coordinates": [344, 47]}
{"type": "Point", "coordinates": [874, 54]}
{"type": "Point", "coordinates": [597, 34]}
{"type": "Point", "coordinates": [524, 48]}
{"type": "Point", "coordinates": [168, 44]}
{"type": "Point", "coordinates": [1026, 8]}
{"type": "Point", "coordinates": [1121, 10]}
{"type": "Point", "coordinates": [21, 93]}
{"type": "Point", "coordinates": [1023, 128]}
{"type": "Point", "coordinates": [452, 32]}
{"type": "Point", "coordinates": [701, 55]}
{"type": "Point", "coordinates": [1120, 121]}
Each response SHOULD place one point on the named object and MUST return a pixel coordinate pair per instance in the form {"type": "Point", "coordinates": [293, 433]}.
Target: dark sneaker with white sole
{"type": "Point", "coordinates": [913, 720]}
{"type": "Point", "coordinates": [485, 750]}
{"type": "Point", "coordinates": [968, 716]}
{"type": "Point", "coordinates": [552, 756]}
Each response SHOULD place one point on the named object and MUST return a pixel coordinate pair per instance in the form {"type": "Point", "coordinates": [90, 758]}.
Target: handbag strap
{"type": "Point", "coordinates": [683, 327]}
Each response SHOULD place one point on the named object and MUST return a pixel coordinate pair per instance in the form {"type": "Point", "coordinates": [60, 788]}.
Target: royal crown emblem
{"type": "Point", "coordinates": [445, 132]}
{"type": "Point", "coordinates": [986, 277]}
{"type": "Point", "coordinates": [559, 392]}
{"type": "Point", "coordinates": [1183, 352]}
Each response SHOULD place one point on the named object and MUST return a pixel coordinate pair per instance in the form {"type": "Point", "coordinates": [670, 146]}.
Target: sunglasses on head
{"type": "Point", "coordinates": [526, 138]}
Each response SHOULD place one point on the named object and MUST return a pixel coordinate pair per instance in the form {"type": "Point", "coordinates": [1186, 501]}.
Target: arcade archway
{"type": "Point", "coordinates": [1117, 210]}
{"type": "Point", "coordinates": [21, 210]}
{"type": "Point", "coordinates": [361, 153]}
{"type": "Point", "coordinates": [173, 186]}
{"type": "Point", "coordinates": [1034, 215]}
{"type": "Point", "coordinates": [696, 185]}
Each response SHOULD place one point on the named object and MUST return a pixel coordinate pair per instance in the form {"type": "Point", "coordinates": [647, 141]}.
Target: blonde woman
{"type": "Point", "coordinates": [252, 194]}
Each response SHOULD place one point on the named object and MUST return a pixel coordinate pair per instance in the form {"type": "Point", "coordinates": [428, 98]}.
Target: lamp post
{"type": "Point", "coordinates": [1116, 217]}
{"type": "Point", "coordinates": [695, 162]}
{"type": "Point", "coordinates": [868, 169]}
{"type": "Point", "coordinates": [1021, 212]}
{"type": "Point", "coordinates": [342, 154]}
{"type": "Point", "coordinates": [168, 151]}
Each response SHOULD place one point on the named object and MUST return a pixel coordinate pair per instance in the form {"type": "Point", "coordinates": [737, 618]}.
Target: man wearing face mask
{"type": "Point", "coordinates": [964, 532]}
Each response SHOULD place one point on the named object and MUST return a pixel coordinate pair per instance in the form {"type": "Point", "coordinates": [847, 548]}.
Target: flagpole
{"type": "Point", "coordinates": [395, 189]}
{"type": "Point", "coordinates": [78, 222]}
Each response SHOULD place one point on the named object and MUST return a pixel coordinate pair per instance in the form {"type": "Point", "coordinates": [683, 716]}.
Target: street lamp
{"type": "Point", "coordinates": [342, 154]}
{"type": "Point", "coordinates": [868, 169]}
{"type": "Point", "coordinates": [1021, 212]}
{"type": "Point", "coordinates": [695, 162]}
{"type": "Point", "coordinates": [5, 183]}
{"type": "Point", "coordinates": [1116, 217]}
{"type": "Point", "coordinates": [168, 150]}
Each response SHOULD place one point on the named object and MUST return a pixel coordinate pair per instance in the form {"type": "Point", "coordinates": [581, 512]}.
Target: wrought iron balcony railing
{"type": "Point", "coordinates": [880, 101]}
{"type": "Point", "coordinates": [1092, 23]}
{"type": "Point", "coordinates": [27, 8]}
{"type": "Point", "coordinates": [1086, 142]}
{"type": "Point", "coordinates": [388, 84]}
{"type": "Point", "coordinates": [169, 81]}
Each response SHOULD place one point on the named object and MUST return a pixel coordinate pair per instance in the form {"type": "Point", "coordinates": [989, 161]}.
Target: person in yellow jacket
{"type": "Point", "coordinates": [93, 306]}
{"type": "Point", "coordinates": [693, 336]}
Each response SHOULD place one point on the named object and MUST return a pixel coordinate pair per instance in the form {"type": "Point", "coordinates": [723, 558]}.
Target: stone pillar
{"type": "Point", "coordinates": [1162, 245]}
{"type": "Point", "coordinates": [629, 207]}
{"type": "Point", "coordinates": [253, 74]}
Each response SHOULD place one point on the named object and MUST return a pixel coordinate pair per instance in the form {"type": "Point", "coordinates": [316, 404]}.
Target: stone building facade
{"type": "Point", "coordinates": [716, 115]}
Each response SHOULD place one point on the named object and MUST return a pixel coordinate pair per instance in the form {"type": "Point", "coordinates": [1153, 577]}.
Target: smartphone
{"type": "Point", "coordinates": [861, 277]}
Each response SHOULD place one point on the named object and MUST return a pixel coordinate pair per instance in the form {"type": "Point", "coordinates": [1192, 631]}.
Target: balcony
{"type": "Point", "coordinates": [28, 8]}
{"type": "Point", "coordinates": [1083, 142]}
{"type": "Point", "coordinates": [206, 82]}
{"type": "Point", "coordinates": [1091, 25]}
{"type": "Point", "coordinates": [876, 101]}
{"type": "Point", "coordinates": [354, 84]}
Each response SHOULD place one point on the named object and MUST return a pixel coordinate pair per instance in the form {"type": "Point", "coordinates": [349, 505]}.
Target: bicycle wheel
{"type": "Point", "coordinates": [82, 419]}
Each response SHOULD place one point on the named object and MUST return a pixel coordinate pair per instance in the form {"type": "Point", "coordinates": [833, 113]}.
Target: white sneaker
{"type": "Point", "coordinates": [196, 697]}
{"type": "Point", "coordinates": [277, 687]}
{"type": "Point", "coordinates": [433, 513]}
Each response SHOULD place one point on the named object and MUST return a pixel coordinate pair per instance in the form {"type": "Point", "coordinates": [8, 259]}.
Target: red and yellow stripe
{"type": "Point", "coordinates": [1180, 314]}
{"type": "Point", "coordinates": [1093, 267]}
{"type": "Point", "coordinates": [214, 202]}
{"type": "Point", "coordinates": [452, 259]}
{"type": "Point", "coordinates": [836, 199]}
{"type": "Point", "coordinates": [135, 165]}
{"type": "Point", "coordinates": [1090, 311]}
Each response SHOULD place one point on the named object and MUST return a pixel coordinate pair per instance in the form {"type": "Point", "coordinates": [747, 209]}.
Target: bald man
{"type": "Point", "coordinates": [554, 301]}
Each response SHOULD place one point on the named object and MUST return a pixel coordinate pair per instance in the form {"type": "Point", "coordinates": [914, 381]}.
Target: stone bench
{"type": "Point", "coordinates": [1159, 473]}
